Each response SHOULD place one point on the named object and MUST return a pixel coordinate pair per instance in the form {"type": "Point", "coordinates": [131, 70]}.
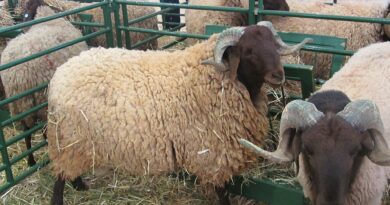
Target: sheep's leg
{"type": "Point", "coordinates": [79, 185]}
{"type": "Point", "coordinates": [30, 161]}
{"type": "Point", "coordinates": [58, 192]}
{"type": "Point", "coordinates": [223, 195]}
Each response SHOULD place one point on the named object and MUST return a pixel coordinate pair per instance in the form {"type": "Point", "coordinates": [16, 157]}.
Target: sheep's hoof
{"type": "Point", "coordinates": [79, 185]}
{"type": "Point", "coordinates": [57, 200]}
{"type": "Point", "coordinates": [31, 161]}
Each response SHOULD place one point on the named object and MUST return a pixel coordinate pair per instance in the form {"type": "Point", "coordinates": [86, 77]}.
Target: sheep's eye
{"type": "Point", "coordinates": [25, 15]}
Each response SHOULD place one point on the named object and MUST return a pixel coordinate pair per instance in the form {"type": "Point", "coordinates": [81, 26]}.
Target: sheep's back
{"type": "Point", "coordinates": [40, 70]}
{"type": "Point", "coordinates": [358, 34]}
{"type": "Point", "coordinates": [148, 115]}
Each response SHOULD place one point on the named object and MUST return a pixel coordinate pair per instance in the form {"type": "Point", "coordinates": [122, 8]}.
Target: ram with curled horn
{"type": "Point", "coordinates": [332, 138]}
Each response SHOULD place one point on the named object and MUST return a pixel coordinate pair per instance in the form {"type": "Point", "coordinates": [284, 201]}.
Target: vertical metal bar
{"type": "Point", "coordinates": [261, 7]}
{"type": "Point", "coordinates": [107, 22]}
{"type": "Point", "coordinates": [126, 24]}
{"type": "Point", "coordinates": [5, 157]}
{"type": "Point", "coordinates": [11, 6]}
{"type": "Point", "coordinates": [251, 14]}
{"type": "Point", "coordinates": [117, 24]}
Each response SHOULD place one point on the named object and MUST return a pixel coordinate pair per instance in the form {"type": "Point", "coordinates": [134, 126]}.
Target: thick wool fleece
{"type": "Point", "coordinates": [151, 112]}
{"type": "Point", "coordinates": [196, 20]}
{"type": "Point", "coordinates": [358, 34]}
{"type": "Point", "coordinates": [365, 76]}
{"type": "Point", "coordinates": [98, 16]}
{"type": "Point", "coordinates": [40, 70]}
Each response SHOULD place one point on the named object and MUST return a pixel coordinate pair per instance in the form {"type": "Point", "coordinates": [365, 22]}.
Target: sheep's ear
{"type": "Point", "coordinates": [233, 61]}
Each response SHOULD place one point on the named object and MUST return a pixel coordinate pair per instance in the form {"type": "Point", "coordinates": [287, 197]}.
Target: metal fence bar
{"type": "Point", "coordinates": [108, 24]}
{"type": "Point", "coordinates": [325, 16]}
{"type": "Point", "coordinates": [328, 50]}
{"type": "Point", "coordinates": [25, 93]}
{"type": "Point", "coordinates": [27, 152]}
{"type": "Point", "coordinates": [45, 19]}
{"type": "Point", "coordinates": [25, 174]}
{"type": "Point", "coordinates": [24, 134]}
{"type": "Point", "coordinates": [154, 37]}
{"type": "Point", "coordinates": [142, 18]}
{"type": "Point", "coordinates": [119, 42]}
{"type": "Point", "coordinates": [53, 49]}
{"type": "Point", "coordinates": [184, 6]}
{"type": "Point", "coordinates": [126, 24]}
{"type": "Point", "coordinates": [22, 115]}
{"type": "Point", "coordinates": [251, 13]}
{"type": "Point", "coordinates": [168, 33]}
{"type": "Point", "coordinates": [5, 157]}
{"type": "Point", "coordinates": [78, 23]}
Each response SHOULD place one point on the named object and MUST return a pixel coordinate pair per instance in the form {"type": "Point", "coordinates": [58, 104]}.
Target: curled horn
{"type": "Point", "coordinates": [284, 48]}
{"type": "Point", "coordinates": [227, 38]}
{"type": "Point", "coordinates": [364, 115]}
{"type": "Point", "coordinates": [298, 114]}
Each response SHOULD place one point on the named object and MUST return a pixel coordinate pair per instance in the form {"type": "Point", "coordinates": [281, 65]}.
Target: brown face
{"type": "Point", "coordinates": [259, 60]}
{"type": "Point", "coordinates": [333, 151]}
{"type": "Point", "coordinates": [276, 5]}
{"type": "Point", "coordinates": [31, 9]}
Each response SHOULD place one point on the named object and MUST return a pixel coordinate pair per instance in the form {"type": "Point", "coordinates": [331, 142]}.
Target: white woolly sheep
{"type": "Point", "coordinates": [157, 112]}
{"type": "Point", "coordinates": [358, 35]}
{"type": "Point", "coordinates": [196, 20]}
{"type": "Point", "coordinates": [342, 144]}
{"type": "Point", "coordinates": [40, 70]}
{"type": "Point", "coordinates": [133, 12]}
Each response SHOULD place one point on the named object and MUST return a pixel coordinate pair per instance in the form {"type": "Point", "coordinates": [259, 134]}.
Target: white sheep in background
{"type": "Point", "coordinates": [40, 70]}
{"type": "Point", "coordinates": [342, 146]}
{"type": "Point", "coordinates": [358, 35]}
{"type": "Point", "coordinates": [196, 20]}
{"type": "Point", "coordinates": [158, 112]}
{"type": "Point", "coordinates": [132, 11]}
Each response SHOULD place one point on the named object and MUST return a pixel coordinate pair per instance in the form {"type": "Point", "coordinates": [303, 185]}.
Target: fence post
{"type": "Point", "coordinates": [107, 22]}
{"type": "Point", "coordinates": [251, 15]}
{"type": "Point", "coordinates": [261, 7]}
{"type": "Point", "coordinates": [5, 157]}
{"type": "Point", "coordinates": [116, 6]}
{"type": "Point", "coordinates": [126, 24]}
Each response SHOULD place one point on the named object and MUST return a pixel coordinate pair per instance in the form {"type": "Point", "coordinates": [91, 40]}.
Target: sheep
{"type": "Point", "coordinates": [157, 112]}
{"type": "Point", "coordinates": [133, 12]}
{"type": "Point", "coordinates": [358, 34]}
{"type": "Point", "coordinates": [40, 70]}
{"type": "Point", "coordinates": [196, 20]}
{"type": "Point", "coordinates": [341, 135]}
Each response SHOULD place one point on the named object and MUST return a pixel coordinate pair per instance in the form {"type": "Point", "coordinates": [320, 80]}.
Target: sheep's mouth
{"type": "Point", "coordinates": [274, 81]}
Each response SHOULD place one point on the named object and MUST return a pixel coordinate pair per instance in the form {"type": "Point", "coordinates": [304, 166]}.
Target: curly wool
{"type": "Point", "coordinates": [365, 76]}
{"type": "Point", "coordinates": [358, 34]}
{"type": "Point", "coordinates": [98, 16]}
{"type": "Point", "coordinates": [196, 20]}
{"type": "Point", "coordinates": [151, 112]}
{"type": "Point", "coordinates": [40, 70]}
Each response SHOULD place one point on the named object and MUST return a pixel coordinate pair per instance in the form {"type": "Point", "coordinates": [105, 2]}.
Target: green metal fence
{"type": "Point", "coordinates": [254, 12]}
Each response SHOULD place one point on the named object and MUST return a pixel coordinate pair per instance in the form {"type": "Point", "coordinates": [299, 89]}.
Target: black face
{"type": "Point", "coordinates": [259, 60]}
{"type": "Point", "coordinates": [276, 5]}
{"type": "Point", "coordinates": [333, 152]}
{"type": "Point", "coordinates": [31, 9]}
